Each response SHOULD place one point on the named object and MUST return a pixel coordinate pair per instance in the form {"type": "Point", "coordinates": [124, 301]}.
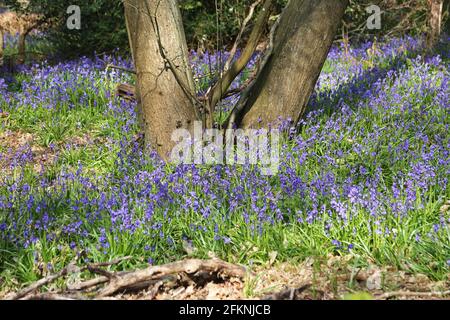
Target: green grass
{"type": "Point", "coordinates": [291, 240]}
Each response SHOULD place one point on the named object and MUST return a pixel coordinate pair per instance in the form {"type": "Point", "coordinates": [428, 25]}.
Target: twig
{"type": "Point", "coordinates": [88, 284]}
{"type": "Point", "coordinates": [241, 32]}
{"type": "Point", "coordinates": [26, 52]}
{"type": "Point", "coordinates": [238, 108]}
{"type": "Point", "coordinates": [153, 291]}
{"type": "Point", "coordinates": [111, 66]}
{"type": "Point", "coordinates": [188, 88]}
{"type": "Point", "coordinates": [101, 272]}
{"type": "Point", "coordinates": [40, 283]}
{"type": "Point", "coordinates": [235, 91]}
{"type": "Point", "coordinates": [110, 263]}
{"type": "Point", "coordinates": [94, 268]}
{"type": "Point", "coordinates": [216, 93]}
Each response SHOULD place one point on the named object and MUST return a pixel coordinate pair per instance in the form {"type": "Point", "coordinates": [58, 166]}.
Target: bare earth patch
{"type": "Point", "coordinates": [330, 280]}
{"type": "Point", "coordinates": [336, 278]}
{"type": "Point", "coordinates": [18, 146]}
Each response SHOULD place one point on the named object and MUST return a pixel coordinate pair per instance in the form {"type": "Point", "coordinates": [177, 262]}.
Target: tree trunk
{"type": "Point", "coordinates": [301, 44]}
{"type": "Point", "coordinates": [22, 48]}
{"type": "Point", "coordinates": [165, 89]}
{"type": "Point", "coordinates": [436, 8]}
{"type": "Point", "coordinates": [1, 46]}
{"type": "Point", "coordinates": [165, 86]}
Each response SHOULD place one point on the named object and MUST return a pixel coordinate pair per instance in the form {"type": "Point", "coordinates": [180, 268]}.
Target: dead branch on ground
{"type": "Point", "coordinates": [151, 279]}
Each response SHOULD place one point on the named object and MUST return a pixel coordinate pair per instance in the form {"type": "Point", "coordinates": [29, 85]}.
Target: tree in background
{"type": "Point", "coordinates": [399, 17]}
{"type": "Point", "coordinates": [22, 21]}
{"type": "Point", "coordinates": [209, 25]}
{"type": "Point", "coordinates": [102, 27]}
{"type": "Point", "coordinates": [435, 21]}
{"type": "Point", "coordinates": [203, 19]}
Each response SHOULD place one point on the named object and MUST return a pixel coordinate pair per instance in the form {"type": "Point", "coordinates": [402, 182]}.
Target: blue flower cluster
{"type": "Point", "coordinates": [368, 168]}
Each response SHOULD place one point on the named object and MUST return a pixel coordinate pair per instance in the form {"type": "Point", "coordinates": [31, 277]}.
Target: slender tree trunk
{"type": "Point", "coordinates": [165, 86]}
{"type": "Point", "coordinates": [22, 47]}
{"type": "Point", "coordinates": [436, 11]}
{"type": "Point", "coordinates": [1, 46]}
{"type": "Point", "coordinates": [300, 47]}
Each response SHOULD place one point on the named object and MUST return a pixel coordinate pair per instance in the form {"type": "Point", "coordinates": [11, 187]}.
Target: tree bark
{"type": "Point", "coordinates": [301, 44]}
{"type": "Point", "coordinates": [436, 8]}
{"type": "Point", "coordinates": [165, 86]}
{"type": "Point", "coordinates": [21, 55]}
{"type": "Point", "coordinates": [1, 46]}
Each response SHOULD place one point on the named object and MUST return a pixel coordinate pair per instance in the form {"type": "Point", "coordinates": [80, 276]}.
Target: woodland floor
{"type": "Point", "coordinates": [360, 209]}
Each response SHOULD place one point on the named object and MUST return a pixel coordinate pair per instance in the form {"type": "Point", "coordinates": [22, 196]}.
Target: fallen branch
{"type": "Point", "coordinates": [190, 266]}
{"type": "Point", "coordinates": [48, 296]}
{"type": "Point", "coordinates": [40, 283]}
{"type": "Point", "coordinates": [151, 279]}
{"type": "Point", "coordinates": [71, 268]}
{"type": "Point", "coordinates": [111, 66]}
